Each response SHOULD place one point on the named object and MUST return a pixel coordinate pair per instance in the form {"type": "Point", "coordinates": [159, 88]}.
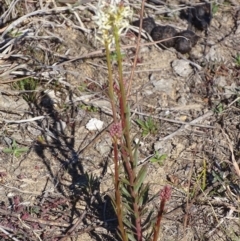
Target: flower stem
{"type": "Point", "coordinates": [125, 113]}
{"type": "Point", "coordinates": [110, 82]}
{"type": "Point", "coordinates": [115, 149]}
{"type": "Point", "coordinates": [158, 222]}
{"type": "Point", "coordinates": [126, 148]}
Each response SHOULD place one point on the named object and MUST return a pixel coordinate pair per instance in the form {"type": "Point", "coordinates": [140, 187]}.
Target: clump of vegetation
{"type": "Point", "coordinates": [237, 60]}
{"type": "Point", "coordinates": [148, 126]}
{"type": "Point", "coordinates": [28, 86]}
{"type": "Point", "coordinates": [15, 150]}
{"type": "Point", "coordinates": [158, 158]}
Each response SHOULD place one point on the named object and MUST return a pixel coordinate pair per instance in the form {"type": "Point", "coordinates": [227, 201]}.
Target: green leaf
{"type": "Point", "coordinates": [125, 181]}
{"type": "Point", "coordinates": [14, 150]}
{"type": "Point", "coordinates": [8, 150]}
{"type": "Point", "coordinates": [125, 192]}
{"type": "Point", "coordinates": [131, 237]}
{"type": "Point", "coordinates": [128, 223]}
{"type": "Point", "coordinates": [14, 144]}
{"type": "Point", "coordinates": [148, 221]}
{"type": "Point", "coordinates": [140, 178]}
{"type": "Point", "coordinates": [135, 155]}
{"type": "Point", "coordinates": [157, 158]}
{"type": "Point", "coordinates": [144, 211]}
{"type": "Point", "coordinates": [24, 149]}
{"type": "Point", "coordinates": [129, 209]}
{"type": "Point", "coordinates": [143, 195]}
{"type": "Point", "coordinates": [140, 122]}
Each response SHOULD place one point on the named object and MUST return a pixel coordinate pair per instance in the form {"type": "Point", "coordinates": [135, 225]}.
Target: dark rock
{"type": "Point", "coordinates": [164, 32]}
{"type": "Point", "coordinates": [186, 40]}
{"type": "Point", "coordinates": [147, 24]}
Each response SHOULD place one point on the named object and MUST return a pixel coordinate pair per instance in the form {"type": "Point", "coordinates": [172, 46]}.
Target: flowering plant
{"type": "Point", "coordinates": [111, 16]}
{"type": "Point", "coordinates": [131, 195]}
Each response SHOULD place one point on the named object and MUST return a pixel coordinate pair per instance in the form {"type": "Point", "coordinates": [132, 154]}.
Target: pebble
{"type": "Point", "coordinates": [182, 67]}
{"type": "Point", "coordinates": [60, 126]}
{"type": "Point", "coordinates": [9, 103]}
{"type": "Point", "coordinates": [164, 85]}
{"type": "Point", "coordinates": [104, 147]}
{"type": "Point", "coordinates": [94, 124]}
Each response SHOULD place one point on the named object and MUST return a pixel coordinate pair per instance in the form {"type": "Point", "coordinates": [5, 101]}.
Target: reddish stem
{"type": "Point", "coordinates": [159, 218]}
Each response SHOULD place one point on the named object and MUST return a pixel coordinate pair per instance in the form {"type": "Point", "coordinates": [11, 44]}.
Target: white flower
{"type": "Point", "coordinates": [94, 124]}
{"type": "Point", "coordinates": [110, 15]}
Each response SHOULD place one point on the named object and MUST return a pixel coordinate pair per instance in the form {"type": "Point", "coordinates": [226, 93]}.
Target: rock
{"type": "Point", "coordinates": [182, 67]}
{"type": "Point", "coordinates": [164, 85]}
{"type": "Point", "coordinates": [104, 147]}
{"type": "Point", "coordinates": [215, 55]}
{"type": "Point", "coordinates": [10, 104]}
{"type": "Point", "coordinates": [94, 124]}
{"type": "Point", "coordinates": [34, 131]}
{"type": "Point", "coordinates": [164, 32]}
{"type": "Point", "coordinates": [163, 147]}
{"type": "Point", "coordinates": [230, 90]}
{"type": "Point", "coordinates": [221, 83]}
{"type": "Point", "coordinates": [60, 125]}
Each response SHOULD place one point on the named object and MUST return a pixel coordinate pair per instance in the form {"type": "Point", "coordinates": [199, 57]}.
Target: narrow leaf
{"type": "Point", "coordinates": [135, 155]}
{"type": "Point", "coordinates": [125, 181]}
{"type": "Point", "coordinates": [125, 192]}
{"type": "Point", "coordinates": [143, 194]}
{"type": "Point", "coordinates": [129, 209]}
{"type": "Point", "coordinates": [24, 149]}
{"type": "Point", "coordinates": [140, 178]}
{"type": "Point", "coordinates": [8, 150]}
{"type": "Point", "coordinates": [128, 223]}
{"type": "Point", "coordinates": [131, 237]}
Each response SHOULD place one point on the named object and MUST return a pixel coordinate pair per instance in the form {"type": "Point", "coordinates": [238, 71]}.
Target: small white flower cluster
{"type": "Point", "coordinates": [94, 125]}
{"type": "Point", "coordinates": [110, 15]}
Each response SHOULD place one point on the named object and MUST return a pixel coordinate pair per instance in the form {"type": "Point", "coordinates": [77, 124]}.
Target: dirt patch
{"type": "Point", "coordinates": [59, 185]}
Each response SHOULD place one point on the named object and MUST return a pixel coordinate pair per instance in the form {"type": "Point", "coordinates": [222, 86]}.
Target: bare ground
{"type": "Point", "coordinates": [51, 67]}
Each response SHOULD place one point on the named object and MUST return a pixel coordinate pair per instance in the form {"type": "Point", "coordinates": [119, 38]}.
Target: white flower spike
{"type": "Point", "coordinates": [110, 15]}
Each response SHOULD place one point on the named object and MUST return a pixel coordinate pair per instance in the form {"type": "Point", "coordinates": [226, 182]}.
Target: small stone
{"type": "Point", "coordinates": [182, 67]}
{"type": "Point", "coordinates": [163, 85]}
{"type": "Point", "coordinates": [230, 90]}
{"type": "Point", "coordinates": [186, 40]}
{"type": "Point", "coordinates": [9, 103]}
{"type": "Point", "coordinates": [6, 140]}
{"type": "Point", "coordinates": [104, 147]}
{"type": "Point", "coordinates": [60, 125]}
{"type": "Point", "coordinates": [163, 147]}
{"type": "Point", "coordinates": [164, 32]}
{"type": "Point", "coordinates": [94, 124]}
{"type": "Point", "coordinates": [147, 24]}
{"type": "Point", "coordinates": [215, 54]}
{"type": "Point", "coordinates": [34, 131]}
{"type": "Point", "coordinates": [220, 84]}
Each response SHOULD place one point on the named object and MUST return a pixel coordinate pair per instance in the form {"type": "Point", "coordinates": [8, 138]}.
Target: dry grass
{"type": "Point", "coordinates": [53, 79]}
